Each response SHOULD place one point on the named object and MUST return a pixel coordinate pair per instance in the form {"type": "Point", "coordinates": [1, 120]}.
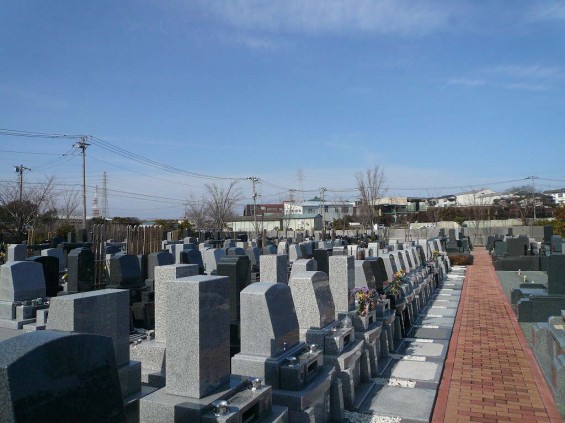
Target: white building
{"type": "Point", "coordinates": [478, 197]}
{"type": "Point", "coordinates": [329, 209]}
{"type": "Point", "coordinates": [558, 195]}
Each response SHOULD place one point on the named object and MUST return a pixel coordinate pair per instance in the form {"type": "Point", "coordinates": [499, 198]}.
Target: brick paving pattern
{"type": "Point", "coordinates": [490, 373]}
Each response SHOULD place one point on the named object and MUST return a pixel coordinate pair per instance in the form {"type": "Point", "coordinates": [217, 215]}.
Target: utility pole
{"type": "Point", "coordinates": [20, 169]}
{"type": "Point", "coordinates": [533, 178]}
{"type": "Point", "coordinates": [82, 144]}
{"type": "Point", "coordinates": [104, 197]}
{"type": "Point", "coordinates": [323, 210]}
{"type": "Point", "coordinates": [254, 180]}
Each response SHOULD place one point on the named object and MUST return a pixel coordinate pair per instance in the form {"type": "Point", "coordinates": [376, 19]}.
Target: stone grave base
{"type": "Point", "coordinates": [151, 354]}
{"type": "Point", "coordinates": [163, 407]}
{"type": "Point", "coordinates": [130, 379]}
{"type": "Point", "coordinates": [313, 400]}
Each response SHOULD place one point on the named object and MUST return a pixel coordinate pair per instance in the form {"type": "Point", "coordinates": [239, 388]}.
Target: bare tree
{"type": "Point", "coordinates": [68, 203]}
{"type": "Point", "coordinates": [197, 213]}
{"type": "Point", "coordinates": [221, 203]}
{"type": "Point", "coordinates": [370, 185]}
{"type": "Point", "coordinates": [32, 206]}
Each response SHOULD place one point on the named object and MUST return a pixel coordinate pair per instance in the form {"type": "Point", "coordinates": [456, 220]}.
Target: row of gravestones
{"type": "Point", "coordinates": [510, 253]}
{"type": "Point", "coordinates": [148, 351]}
{"type": "Point", "coordinates": [271, 347]}
{"type": "Point", "coordinates": [188, 319]}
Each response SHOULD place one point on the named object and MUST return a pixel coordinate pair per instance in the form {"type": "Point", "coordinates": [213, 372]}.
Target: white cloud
{"type": "Point", "coordinates": [255, 43]}
{"type": "Point", "coordinates": [333, 16]}
{"type": "Point", "coordinates": [532, 71]}
{"type": "Point", "coordinates": [466, 82]}
{"type": "Point", "coordinates": [526, 87]}
{"type": "Point", "coordinates": [548, 11]}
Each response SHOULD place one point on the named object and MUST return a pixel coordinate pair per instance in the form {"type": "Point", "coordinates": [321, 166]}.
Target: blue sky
{"type": "Point", "coordinates": [446, 96]}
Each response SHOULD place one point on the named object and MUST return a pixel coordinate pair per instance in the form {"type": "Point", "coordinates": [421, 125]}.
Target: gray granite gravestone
{"type": "Point", "coordinates": [16, 252]}
{"type": "Point", "coordinates": [294, 252]}
{"type": "Point", "coordinates": [315, 311]}
{"type": "Point", "coordinates": [342, 282]}
{"type": "Point", "coordinates": [58, 377]}
{"type": "Point", "coordinates": [254, 253]}
{"type": "Point", "coordinates": [271, 350]}
{"type": "Point", "coordinates": [364, 276]}
{"type": "Point", "coordinates": [161, 258]}
{"type": "Point", "coordinates": [151, 353]}
{"type": "Point", "coordinates": [104, 312]}
{"type": "Point", "coordinates": [211, 258]}
{"type": "Point", "coordinates": [303, 265]}
{"type": "Point", "coordinates": [21, 282]}
{"type": "Point", "coordinates": [274, 268]}
{"type": "Point", "coordinates": [164, 274]}
{"type": "Point", "coordinates": [198, 361]}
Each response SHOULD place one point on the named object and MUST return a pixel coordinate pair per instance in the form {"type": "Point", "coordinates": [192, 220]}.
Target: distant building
{"type": "Point", "coordinates": [294, 222]}
{"type": "Point", "coordinates": [558, 195]}
{"type": "Point", "coordinates": [329, 209]}
{"type": "Point", "coordinates": [478, 197]}
{"type": "Point", "coordinates": [263, 209]}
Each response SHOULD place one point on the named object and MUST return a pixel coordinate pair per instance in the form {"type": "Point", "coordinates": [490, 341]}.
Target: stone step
{"type": "Point", "coordinates": [388, 403]}
{"type": "Point", "coordinates": [432, 320]}
{"type": "Point", "coordinates": [441, 311]}
{"type": "Point", "coordinates": [430, 332]}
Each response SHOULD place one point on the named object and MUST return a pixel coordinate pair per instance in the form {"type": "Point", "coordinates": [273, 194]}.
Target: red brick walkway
{"type": "Point", "coordinates": [490, 373]}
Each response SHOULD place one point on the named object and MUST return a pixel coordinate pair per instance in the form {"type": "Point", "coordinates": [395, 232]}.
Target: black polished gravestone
{"type": "Point", "coordinates": [50, 266]}
{"type": "Point", "coordinates": [50, 376]}
{"type": "Point", "coordinates": [125, 272]}
{"type": "Point", "coordinates": [56, 241]}
{"type": "Point", "coordinates": [322, 259]}
{"type": "Point", "coordinates": [238, 270]}
{"type": "Point", "coordinates": [556, 275]}
{"type": "Point", "coordinates": [547, 234]}
{"type": "Point", "coordinates": [379, 272]}
{"type": "Point", "coordinates": [517, 247]}
{"type": "Point", "coordinates": [80, 270]}
{"type": "Point", "coordinates": [192, 256]}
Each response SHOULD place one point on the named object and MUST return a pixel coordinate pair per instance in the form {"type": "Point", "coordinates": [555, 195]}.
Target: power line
{"type": "Point", "coordinates": [32, 152]}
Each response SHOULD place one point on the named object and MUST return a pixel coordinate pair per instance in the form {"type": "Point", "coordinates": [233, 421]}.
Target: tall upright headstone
{"type": "Point", "coordinates": [342, 282]}
{"type": "Point", "coordinates": [59, 254]}
{"type": "Point", "coordinates": [274, 268]}
{"type": "Point", "coordinates": [104, 312]}
{"type": "Point", "coordinates": [198, 360]}
{"type": "Point", "coordinates": [151, 353]}
{"type": "Point", "coordinates": [80, 265]}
